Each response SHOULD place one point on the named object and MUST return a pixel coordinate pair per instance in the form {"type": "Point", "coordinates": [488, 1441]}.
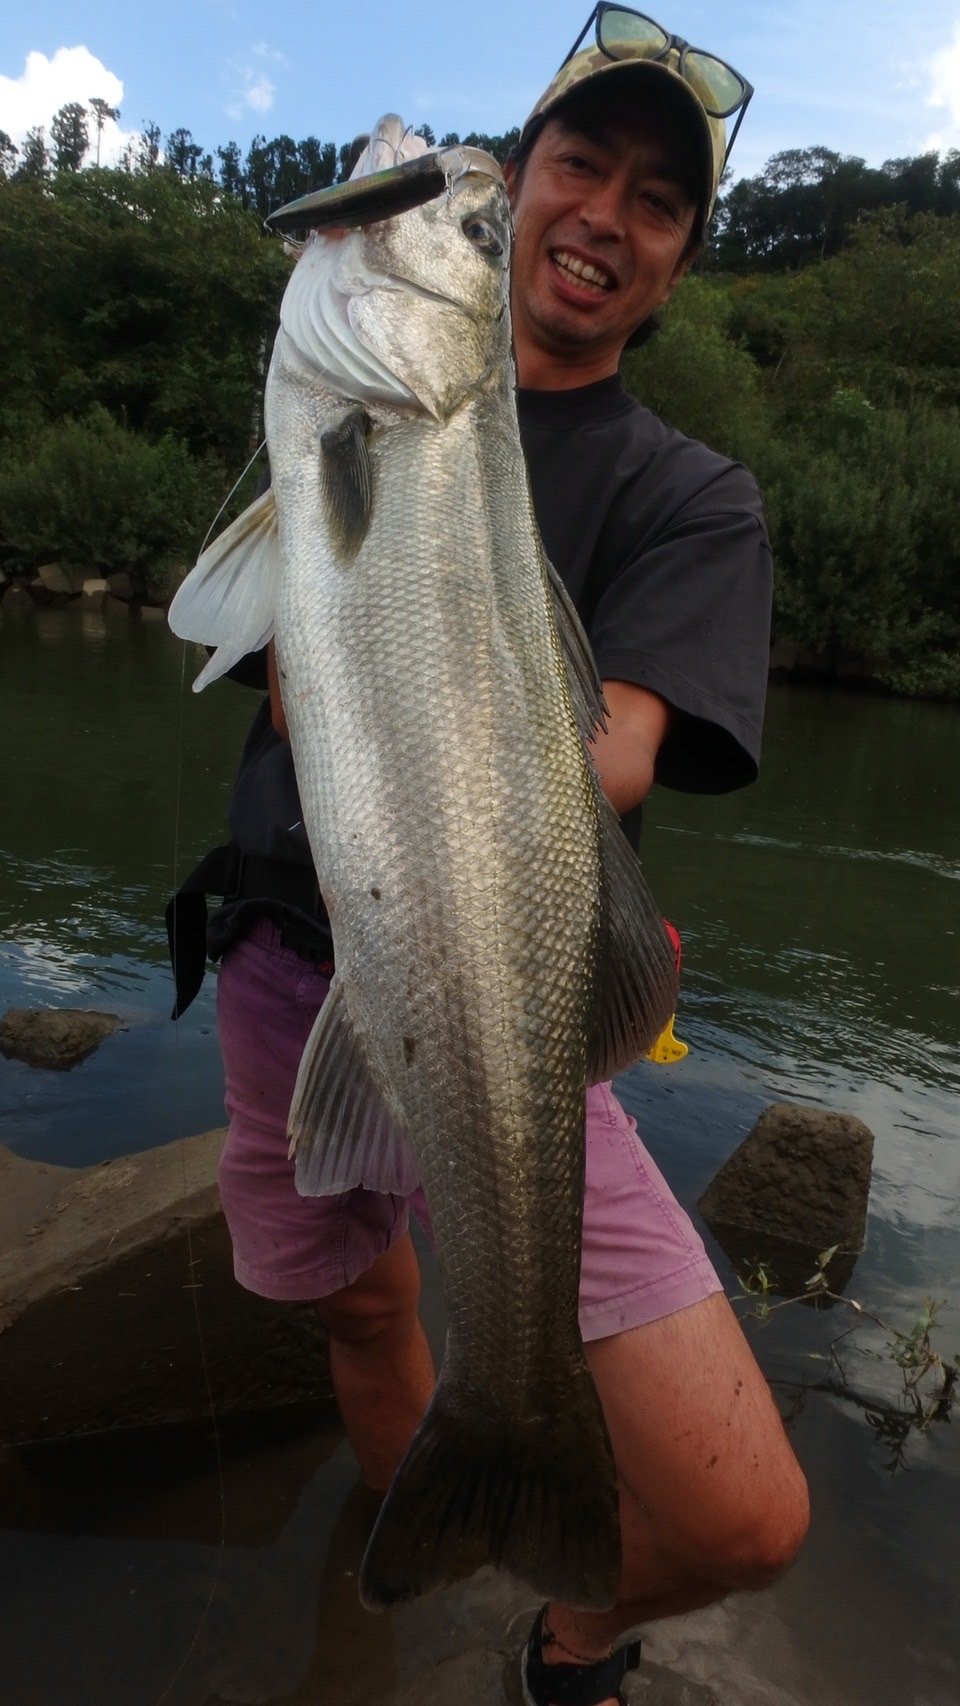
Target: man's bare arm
{"type": "Point", "coordinates": [625, 751]}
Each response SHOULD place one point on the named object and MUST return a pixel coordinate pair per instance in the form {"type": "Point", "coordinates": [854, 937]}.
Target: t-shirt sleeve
{"type": "Point", "coordinates": [687, 615]}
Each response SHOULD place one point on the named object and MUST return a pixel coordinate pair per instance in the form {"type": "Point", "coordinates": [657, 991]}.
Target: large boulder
{"type": "Point", "coordinates": [57, 1037]}
{"type": "Point", "coordinates": [121, 586]}
{"type": "Point", "coordinates": [797, 1185]}
{"type": "Point", "coordinates": [52, 577]}
{"type": "Point", "coordinates": [119, 1309]}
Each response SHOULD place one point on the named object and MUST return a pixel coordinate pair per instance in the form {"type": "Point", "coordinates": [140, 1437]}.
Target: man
{"type": "Point", "coordinates": [662, 545]}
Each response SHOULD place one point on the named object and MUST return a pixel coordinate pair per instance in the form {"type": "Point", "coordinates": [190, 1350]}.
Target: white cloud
{"type": "Point", "coordinates": [260, 94]}
{"type": "Point", "coordinates": [73, 74]}
{"type": "Point", "coordinates": [944, 91]}
{"type": "Point", "coordinates": [253, 90]}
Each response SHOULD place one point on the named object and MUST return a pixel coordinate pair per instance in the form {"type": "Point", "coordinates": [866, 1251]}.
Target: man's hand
{"type": "Point", "coordinates": [625, 751]}
{"type": "Point", "coordinates": [277, 713]}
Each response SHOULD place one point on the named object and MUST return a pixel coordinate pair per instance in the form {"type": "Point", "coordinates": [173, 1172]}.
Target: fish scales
{"type": "Point", "coordinates": [457, 808]}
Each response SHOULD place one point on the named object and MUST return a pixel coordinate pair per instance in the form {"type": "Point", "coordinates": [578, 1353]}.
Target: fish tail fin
{"type": "Point", "coordinates": [538, 1499]}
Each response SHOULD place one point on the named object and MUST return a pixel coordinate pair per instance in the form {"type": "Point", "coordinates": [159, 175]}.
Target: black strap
{"type": "Point", "coordinates": [186, 920]}
{"type": "Point", "coordinates": [575, 1685]}
{"type": "Point", "coordinates": [237, 876]}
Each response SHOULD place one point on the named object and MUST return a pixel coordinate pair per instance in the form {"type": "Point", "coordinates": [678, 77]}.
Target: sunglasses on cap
{"type": "Point", "coordinates": [623, 34]}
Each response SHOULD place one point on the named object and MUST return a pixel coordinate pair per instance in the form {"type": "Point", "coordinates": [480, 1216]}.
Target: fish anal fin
{"type": "Point", "coordinates": [342, 1133]}
{"type": "Point", "coordinates": [347, 480]}
{"type": "Point", "coordinates": [638, 991]}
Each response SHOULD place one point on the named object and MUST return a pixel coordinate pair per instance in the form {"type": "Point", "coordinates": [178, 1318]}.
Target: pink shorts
{"type": "Point", "coordinates": [642, 1258]}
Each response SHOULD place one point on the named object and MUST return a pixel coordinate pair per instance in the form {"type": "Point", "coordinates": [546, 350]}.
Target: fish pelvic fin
{"type": "Point", "coordinates": [347, 479]}
{"type": "Point", "coordinates": [229, 597]}
{"type": "Point", "coordinates": [638, 976]}
{"type": "Point", "coordinates": [342, 1134]}
{"type": "Point", "coordinates": [537, 1499]}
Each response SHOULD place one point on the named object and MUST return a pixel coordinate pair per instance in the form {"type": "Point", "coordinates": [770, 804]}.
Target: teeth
{"type": "Point", "coordinates": [583, 270]}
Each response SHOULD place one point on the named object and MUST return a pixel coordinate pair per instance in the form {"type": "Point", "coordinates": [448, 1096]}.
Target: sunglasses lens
{"type": "Point", "coordinates": [621, 34]}
{"type": "Point", "coordinates": [718, 85]}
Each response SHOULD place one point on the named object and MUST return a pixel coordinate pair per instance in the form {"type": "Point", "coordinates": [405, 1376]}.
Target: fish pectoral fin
{"type": "Point", "coordinates": [586, 691]}
{"type": "Point", "coordinates": [348, 480]}
{"type": "Point", "coordinates": [638, 971]}
{"type": "Point", "coordinates": [341, 1131]}
{"type": "Point", "coordinates": [229, 597]}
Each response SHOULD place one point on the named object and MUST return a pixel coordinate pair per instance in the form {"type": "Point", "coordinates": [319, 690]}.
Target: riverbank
{"type": "Point", "coordinates": [55, 586]}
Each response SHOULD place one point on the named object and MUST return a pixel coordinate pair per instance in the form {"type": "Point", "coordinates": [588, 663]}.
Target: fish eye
{"type": "Point", "coordinates": [482, 236]}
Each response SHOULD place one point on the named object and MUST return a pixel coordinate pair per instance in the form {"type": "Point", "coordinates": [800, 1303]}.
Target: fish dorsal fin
{"type": "Point", "coordinates": [638, 972]}
{"type": "Point", "coordinates": [347, 480]}
{"type": "Point", "coordinates": [229, 597]}
{"type": "Point", "coordinates": [341, 1131]}
{"type": "Point", "coordinates": [585, 687]}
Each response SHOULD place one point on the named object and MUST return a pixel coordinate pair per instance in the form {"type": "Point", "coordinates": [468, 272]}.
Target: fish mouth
{"type": "Point", "coordinates": [583, 271]}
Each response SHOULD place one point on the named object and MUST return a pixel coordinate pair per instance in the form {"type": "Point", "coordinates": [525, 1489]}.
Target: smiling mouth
{"type": "Point", "coordinates": [584, 272]}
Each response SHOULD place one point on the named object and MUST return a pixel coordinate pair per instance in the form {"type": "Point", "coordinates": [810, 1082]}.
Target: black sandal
{"type": "Point", "coordinates": [576, 1684]}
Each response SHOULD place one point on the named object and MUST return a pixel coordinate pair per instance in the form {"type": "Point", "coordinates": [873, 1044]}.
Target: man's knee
{"type": "Point", "coordinates": [766, 1538]}
{"type": "Point", "coordinates": [380, 1302]}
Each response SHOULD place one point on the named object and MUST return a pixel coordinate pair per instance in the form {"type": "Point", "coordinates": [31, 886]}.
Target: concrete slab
{"type": "Point", "coordinates": [119, 1309]}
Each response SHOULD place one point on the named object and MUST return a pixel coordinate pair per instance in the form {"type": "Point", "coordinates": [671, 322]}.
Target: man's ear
{"type": "Point", "coordinates": [510, 179]}
{"type": "Point", "coordinates": [679, 273]}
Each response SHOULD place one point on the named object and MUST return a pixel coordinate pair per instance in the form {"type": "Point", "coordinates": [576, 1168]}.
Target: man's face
{"type": "Point", "coordinates": [602, 224]}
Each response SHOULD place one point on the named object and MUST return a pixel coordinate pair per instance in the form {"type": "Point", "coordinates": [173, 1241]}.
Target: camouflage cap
{"type": "Point", "coordinates": [592, 62]}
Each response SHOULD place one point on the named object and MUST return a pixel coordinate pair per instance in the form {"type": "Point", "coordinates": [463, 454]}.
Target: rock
{"type": "Point", "coordinates": [152, 613]}
{"type": "Point", "coordinates": [118, 1303]}
{"type": "Point", "coordinates": [16, 593]}
{"type": "Point", "coordinates": [58, 1038]}
{"type": "Point", "coordinates": [121, 586]}
{"type": "Point", "coordinates": [52, 579]}
{"type": "Point", "coordinates": [475, 1676]}
{"type": "Point", "coordinates": [95, 586]}
{"type": "Point", "coordinates": [797, 1185]}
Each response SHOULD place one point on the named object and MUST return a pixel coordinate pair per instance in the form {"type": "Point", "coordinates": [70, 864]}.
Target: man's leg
{"type": "Point", "coordinates": [380, 1362]}
{"type": "Point", "coordinates": [350, 1255]}
{"type": "Point", "coordinates": [712, 1498]}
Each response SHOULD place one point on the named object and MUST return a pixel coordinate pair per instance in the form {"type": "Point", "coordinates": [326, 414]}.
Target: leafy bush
{"type": "Point", "coordinates": [96, 497]}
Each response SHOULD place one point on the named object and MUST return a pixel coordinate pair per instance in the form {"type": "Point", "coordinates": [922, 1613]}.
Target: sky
{"type": "Point", "coordinates": [864, 77]}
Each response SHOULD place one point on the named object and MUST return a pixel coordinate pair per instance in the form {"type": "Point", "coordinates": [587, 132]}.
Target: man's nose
{"type": "Point", "coordinates": [603, 210]}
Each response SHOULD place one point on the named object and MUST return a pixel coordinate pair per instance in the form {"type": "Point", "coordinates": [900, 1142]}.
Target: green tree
{"type": "Point", "coordinates": [34, 160]}
{"type": "Point", "coordinates": [8, 156]}
{"type": "Point", "coordinates": [183, 153]}
{"type": "Point", "coordinates": [102, 111]}
{"type": "Point", "coordinates": [70, 137]}
{"type": "Point", "coordinates": [148, 152]}
{"type": "Point", "coordinates": [231, 170]}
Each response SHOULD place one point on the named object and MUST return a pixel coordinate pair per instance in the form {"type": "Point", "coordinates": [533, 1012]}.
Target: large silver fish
{"type": "Point", "coordinates": [496, 946]}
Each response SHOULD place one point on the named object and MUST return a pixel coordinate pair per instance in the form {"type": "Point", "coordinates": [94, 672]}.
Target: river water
{"type": "Point", "coordinates": [819, 913]}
